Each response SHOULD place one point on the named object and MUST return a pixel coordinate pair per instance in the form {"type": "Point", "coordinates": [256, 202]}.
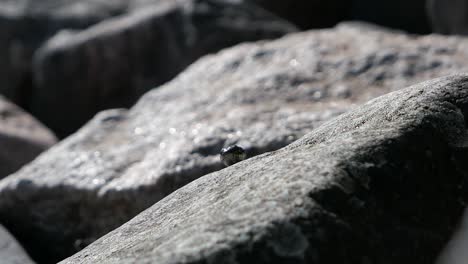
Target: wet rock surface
{"type": "Point", "coordinates": [22, 138]}
{"type": "Point", "coordinates": [261, 96]}
{"type": "Point", "coordinates": [112, 64]}
{"type": "Point", "coordinates": [10, 251]}
{"type": "Point", "coordinates": [384, 183]}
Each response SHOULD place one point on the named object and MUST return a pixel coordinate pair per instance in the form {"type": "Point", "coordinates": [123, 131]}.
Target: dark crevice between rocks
{"type": "Point", "coordinates": [23, 96]}
{"type": "Point", "coordinates": [58, 242]}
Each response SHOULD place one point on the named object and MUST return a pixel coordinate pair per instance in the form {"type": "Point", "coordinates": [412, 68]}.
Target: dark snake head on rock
{"type": "Point", "coordinates": [232, 154]}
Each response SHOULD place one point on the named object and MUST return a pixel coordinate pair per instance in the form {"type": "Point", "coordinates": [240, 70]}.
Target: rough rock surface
{"type": "Point", "coordinates": [261, 96]}
{"type": "Point", "coordinates": [384, 183]}
{"type": "Point", "coordinates": [10, 251]}
{"type": "Point", "coordinates": [113, 63]}
{"type": "Point", "coordinates": [448, 16]}
{"type": "Point", "coordinates": [22, 138]}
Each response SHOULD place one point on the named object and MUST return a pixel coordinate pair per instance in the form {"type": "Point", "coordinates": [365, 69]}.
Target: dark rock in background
{"type": "Point", "coordinates": [26, 24]}
{"type": "Point", "coordinates": [455, 252]}
{"type": "Point", "coordinates": [384, 183]}
{"type": "Point", "coordinates": [448, 16]}
{"type": "Point", "coordinates": [22, 138]}
{"type": "Point", "coordinates": [261, 96]}
{"type": "Point", "coordinates": [308, 14]}
{"type": "Point", "coordinates": [405, 15]}
{"type": "Point", "coordinates": [10, 251]}
{"type": "Point", "coordinates": [113, 63]}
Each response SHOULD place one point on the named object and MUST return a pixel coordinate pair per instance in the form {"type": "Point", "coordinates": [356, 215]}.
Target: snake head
{"type": "Point", "coordinates": [232, 154]}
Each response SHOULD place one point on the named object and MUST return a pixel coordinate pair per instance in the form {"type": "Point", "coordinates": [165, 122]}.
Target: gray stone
{"type": "Point", "coordinates": [26, 24]}
{"type": "Point", "coordinates": [22, 138]}
{"type": "Point", "coordinates": [10, 251]}
{"type": "Point", "coordinates": [448, 16]}
{"type": "Point", "coordinates": [384, 183]}
{"type": "Point", "coordinates": [113, 63]}
{"type": "Point", "coordinates": [261, 96]}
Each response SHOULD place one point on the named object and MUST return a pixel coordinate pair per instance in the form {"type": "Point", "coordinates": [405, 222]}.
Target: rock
{"type": "Point", "coordinates": [22, 138]}
{"type": "Point", "coordinates": [113, 63]}
{"type": "Point", "coordinates": [10, 251]}
{"type": "Point", "coordinates": [26, 24]}
{"type": "Point", "coordinates": [261, 96]}
{"type": "Point", "coordinates": [448, 16]}
{"type": "Point", "coordinates": [455, 251]}
{"type": "Point", "coordinates": [384, 183]}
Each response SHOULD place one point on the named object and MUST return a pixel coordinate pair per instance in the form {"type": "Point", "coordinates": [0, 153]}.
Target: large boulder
{"type": "Point", "coordinates": [26, 24]}
{"type": "Point", "coordinates": [113, 63]}
{"type": "Point", "coordinates": [261, 96]}
{"type": "Point", "coordinates": [22, 138]}
{"type": "Point", "coordinates": [455, 251]}
{"type": "Point", "coordinates": [10, 251]}
{"type": "Point", "coordinates": [385, 183]}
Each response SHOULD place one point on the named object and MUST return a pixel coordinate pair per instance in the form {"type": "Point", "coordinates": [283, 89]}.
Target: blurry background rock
{"type": "Point", "coordinates": [456, 251]}
{"type": "Point", "coordinates": [22, 138]}
{"type": "Point", "coordinates": [113, 63]}
{"type": "Point", "coordinates": [144, 43]}
{"type": "Point", "coordinates": [10, 251]}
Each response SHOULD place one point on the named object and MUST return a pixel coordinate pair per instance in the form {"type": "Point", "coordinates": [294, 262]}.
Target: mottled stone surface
{"type": "Point", "coordinates": [384, 183]}
{"type": "Point", "coordinates": [261, 96]}
{"type": "Point", "coordinates": [22, 138]}
{"type": "Point", "coordinates": [113, 63]}
{"type": "Point", "coordinates": [10, 251]}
